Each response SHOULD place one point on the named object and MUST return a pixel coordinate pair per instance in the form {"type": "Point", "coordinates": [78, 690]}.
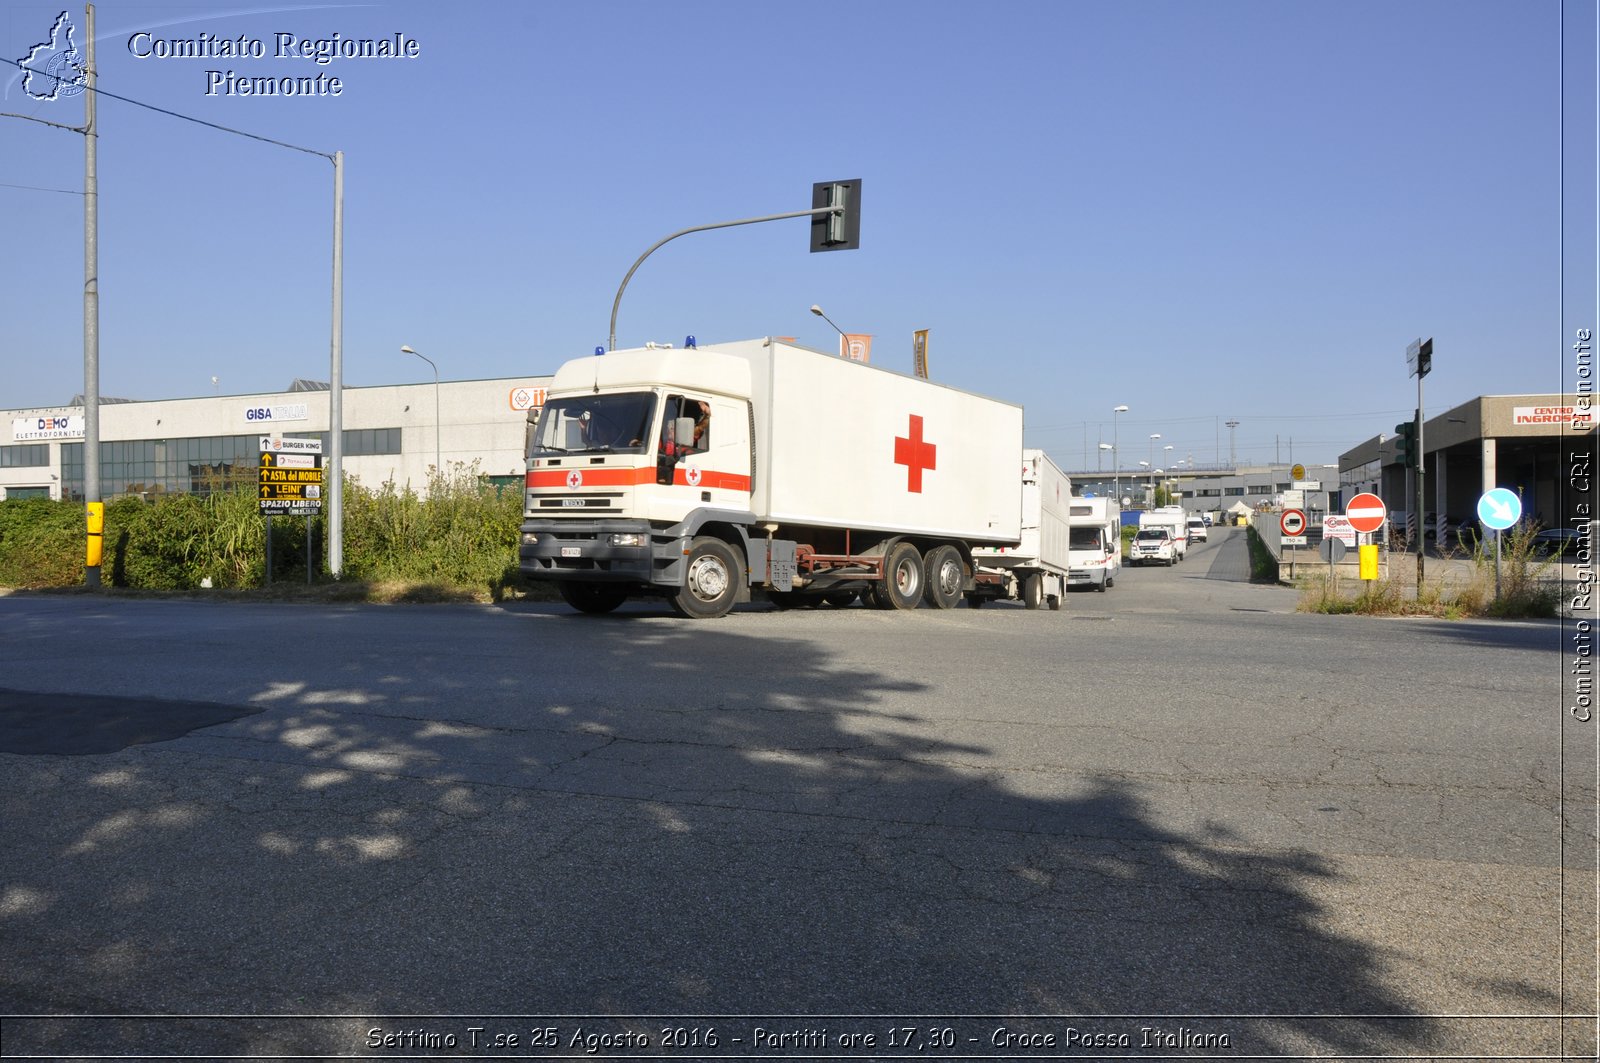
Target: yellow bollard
{"type": "Point", "coordinates": [1368, 554]}
{"type": "Point", "coordinates": [95, 515]}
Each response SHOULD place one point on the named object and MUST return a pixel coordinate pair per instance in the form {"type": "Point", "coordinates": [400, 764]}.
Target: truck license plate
{"type": "Point", "coordinates": [571, 551]}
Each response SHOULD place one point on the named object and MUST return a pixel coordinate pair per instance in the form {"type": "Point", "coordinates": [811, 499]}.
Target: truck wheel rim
{"type": "Point", "coordinates": [905, 577]}
{"type": "Point", "coordinates": [949, 576]}
{"type": "Point", "coordinates": [707, 578]}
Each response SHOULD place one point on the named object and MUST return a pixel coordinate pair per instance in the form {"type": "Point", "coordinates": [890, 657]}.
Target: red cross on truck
{"type": "Point", "coordinates": [813, 480]}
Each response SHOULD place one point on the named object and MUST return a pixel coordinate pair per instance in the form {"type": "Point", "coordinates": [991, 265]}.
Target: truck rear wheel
{"type": "Point", "coordinates": [903, 578]}
{"type": "Point", "coordinates": [708, 587]}
{"type": "Point", "coordinates": [1033, 591]}
{"type": "Point", "coordinates": [946, 575]}
{"type": "Point", "coordinates": [593, 598]}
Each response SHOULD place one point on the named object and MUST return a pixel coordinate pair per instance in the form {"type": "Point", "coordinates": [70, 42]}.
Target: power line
{"type": "Point", "coordinates": [188, 118]}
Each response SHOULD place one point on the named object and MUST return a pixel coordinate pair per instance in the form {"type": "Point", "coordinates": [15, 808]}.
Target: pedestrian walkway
{"type": "Point", "coordinates": [1230, 557]}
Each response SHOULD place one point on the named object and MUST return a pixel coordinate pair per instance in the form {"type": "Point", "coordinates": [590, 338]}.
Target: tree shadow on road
{"type": "Point", "coordinates": [634, 815]}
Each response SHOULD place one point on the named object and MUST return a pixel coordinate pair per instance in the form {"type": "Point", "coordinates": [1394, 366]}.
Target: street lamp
{"type": "Point", "coordinates": [1116, 456]}
{"type": "Point", "coordinates": [437, 424]}
{"type": "Point", "coordinates": [815, 309]}
{"type": "Point", "coordinates": [1169, 462]}
{"type": "Point", "coordinates": [1100, 454]}
{"type": "Point", "coordinates": [1153, 437]}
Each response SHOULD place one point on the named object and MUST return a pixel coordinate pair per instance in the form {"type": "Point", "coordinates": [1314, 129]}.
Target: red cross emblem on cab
{"type": "Point", "coordinates": [916, 454]}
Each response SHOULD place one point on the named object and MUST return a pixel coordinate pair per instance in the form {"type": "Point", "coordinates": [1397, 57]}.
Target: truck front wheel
{"type": "Point", "coordinates": [1032, 591]}
{"type": "Point", "coordinates": [592, 597]}
{"type": "Point", "coordinates": [709, 586]}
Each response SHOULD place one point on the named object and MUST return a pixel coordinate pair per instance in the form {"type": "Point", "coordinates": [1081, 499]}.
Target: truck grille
{"type": "Point", "coordinates": [576, 507]}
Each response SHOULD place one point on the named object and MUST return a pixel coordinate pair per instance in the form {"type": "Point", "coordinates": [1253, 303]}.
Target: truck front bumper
{"type": "Point", "coordinates": [611, 552]}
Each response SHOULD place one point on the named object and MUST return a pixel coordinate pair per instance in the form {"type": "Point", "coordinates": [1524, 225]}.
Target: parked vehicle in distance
{"type": "Point", "coordinates": [1197, 530]}
{"type": "Point", "coordinates": [1207, 519]}
{"type": "Point", "coordinates": [1565, 541]}
{"type": "Point", "coordinates": [1153, 545]}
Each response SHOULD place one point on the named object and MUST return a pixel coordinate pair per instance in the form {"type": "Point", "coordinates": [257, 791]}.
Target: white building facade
{"type": "Point", "coordinates": [392, 434]}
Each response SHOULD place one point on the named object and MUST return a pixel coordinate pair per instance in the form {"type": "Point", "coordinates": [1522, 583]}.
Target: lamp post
{"type": "Point", "coordinates": [437, 423]}
{"type": "Point", "coordinates": [815, 309]}
{"type": "Point", "coordinates": [1153, 437]}
{"type": "Point", "coordinates": [1233, 462]}
{"type": "Point", "coordinates": [1116, 455]}
{"type": "Point", "coordinates": [1099, 455]}
{"type": "Point", "coordinates": [1169, 462]}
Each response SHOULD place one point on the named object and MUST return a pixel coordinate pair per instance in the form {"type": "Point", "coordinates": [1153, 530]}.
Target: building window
{"type": "Point", "coordinates": [1257, 489]}
{"type": "Point", "coordinates": [1209, 492]}
{"type": "Point", "coordinates": [1286, 487]}
{"type": "Point", "coordinates": [17, 494]}
{"type": "Point", "coordinates": [25, 456]}
{"type": "Point", "coordinates": [1233, 492]}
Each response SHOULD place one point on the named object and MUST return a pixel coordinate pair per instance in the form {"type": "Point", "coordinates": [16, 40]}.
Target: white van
{"type": "Point", "coordinates": [1094, 542]}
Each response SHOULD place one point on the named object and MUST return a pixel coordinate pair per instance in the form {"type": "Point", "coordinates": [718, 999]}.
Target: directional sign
{"type": "Point", "coordinates": [1366, 512]}
{"type": "Point", "coordinates": [1292, 523]}
{"type": "Point", "coordinates": [289, 481]}
{"type": "Point", "coordinates": [1499, 509]}
{"type": "Point", "coordinates": [1298, 472]}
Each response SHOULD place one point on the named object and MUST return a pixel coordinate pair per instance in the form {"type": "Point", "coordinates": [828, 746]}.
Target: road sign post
{"type": "Point", "coordinates": [1498, 510]}
{"type": "Point", "coordinates": [1366, 514]}
{"type": "Point", "coordinates": [289, 483]}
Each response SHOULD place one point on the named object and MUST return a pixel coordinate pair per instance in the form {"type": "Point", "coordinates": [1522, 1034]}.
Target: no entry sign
{"type": "Point", "coordinates": [1366, 512]}
{"type": "Point", "coordinates": [1293, 522]}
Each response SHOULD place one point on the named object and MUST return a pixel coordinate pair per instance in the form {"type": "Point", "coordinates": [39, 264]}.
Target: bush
{"type": "Point", "coordinates": [461, 538]}
{"type": "Point", "coordinates": [41, 543]}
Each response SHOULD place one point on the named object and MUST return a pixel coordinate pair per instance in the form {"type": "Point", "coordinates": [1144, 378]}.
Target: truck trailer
{"type": "Point", "coordinates": [1035, 570]}
{"type": "Point", "coordinates": [703, 474]}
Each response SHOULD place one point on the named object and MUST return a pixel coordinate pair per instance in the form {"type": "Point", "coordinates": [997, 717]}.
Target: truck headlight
{"type": "Point", "coordinates": [626, 539]}
{"type": "Point", "coordinates": [529, 539]}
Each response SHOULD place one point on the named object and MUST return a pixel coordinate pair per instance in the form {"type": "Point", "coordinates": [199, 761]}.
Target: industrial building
{"type": "Point", "coordinates": [392, 434]}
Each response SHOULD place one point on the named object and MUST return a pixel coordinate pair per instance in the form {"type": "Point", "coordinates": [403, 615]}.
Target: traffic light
{"type": "Point", "coordinates": [1405, 443]}
{"type": "Point", "coordinates": [838, 230]}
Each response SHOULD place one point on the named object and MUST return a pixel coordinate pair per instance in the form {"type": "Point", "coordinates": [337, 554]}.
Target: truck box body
{"type": "Point", "coordinates": [1042, 550]}
{"type": "Point", "coordinates": [800, 461]}
{"type": "Point", "coordinates": [843, 444]}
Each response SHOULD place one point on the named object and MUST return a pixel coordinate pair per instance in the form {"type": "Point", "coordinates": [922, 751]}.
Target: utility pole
{"type": "Point", "coordinates": [91, 319]}
{"type": "Point", "coordinates": [1419, 359]}
{"type": "Point", "coordinates": [1233, 461]}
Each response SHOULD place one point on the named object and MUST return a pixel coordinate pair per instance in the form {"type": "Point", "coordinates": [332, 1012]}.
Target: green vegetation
{"type": "Point", "coordinates": [1526, 586]}
{"type": "Point", "coordinates": [1263, 566]}
{"type": "Point", "coordinates": [460, 541]}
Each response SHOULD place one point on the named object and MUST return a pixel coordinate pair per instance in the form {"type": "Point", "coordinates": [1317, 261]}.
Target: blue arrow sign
{"type": "Point", "coordinates": [1499, 509]}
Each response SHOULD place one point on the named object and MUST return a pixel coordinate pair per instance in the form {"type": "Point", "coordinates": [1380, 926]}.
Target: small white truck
{"type": "Point", "coordinates": [1094, 544]}
{"type": "Point", "coordinates": [1175, 520]}
{"type": "Point", "coordinates": [1153, 546]}
{"type": "Point", "coordinates": [700, 475]}
{"type": "Point", "coordinates": [1035, 570]}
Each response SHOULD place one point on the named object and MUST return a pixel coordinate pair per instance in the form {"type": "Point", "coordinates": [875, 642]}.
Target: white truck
{"type": "Point", "coordinates": [700, 474]}
{"type": "Point", "coordinates": [1035, 570]}
{"type": "Point", "coordinates": [1094, 544]}
{"type": "Point", "coordinates": [1175, 520]}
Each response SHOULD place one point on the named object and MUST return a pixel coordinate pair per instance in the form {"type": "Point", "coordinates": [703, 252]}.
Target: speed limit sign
{"type": "Point", "coordinates": [1293, 522]}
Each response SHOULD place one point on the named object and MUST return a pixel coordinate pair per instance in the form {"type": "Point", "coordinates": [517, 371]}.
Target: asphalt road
{"type": "Point", "coordinates": [1177, 806]}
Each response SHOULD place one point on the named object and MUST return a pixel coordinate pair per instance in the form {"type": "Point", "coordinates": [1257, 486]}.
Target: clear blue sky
{"type": "Point", "coordinates": [1207, 211]}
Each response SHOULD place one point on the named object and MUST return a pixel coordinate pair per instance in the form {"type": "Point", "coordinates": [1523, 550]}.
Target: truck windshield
{"type": "Point", "coordinates": [1147, 534]}
{"type": "Point", "coordinates": [616, 423]}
